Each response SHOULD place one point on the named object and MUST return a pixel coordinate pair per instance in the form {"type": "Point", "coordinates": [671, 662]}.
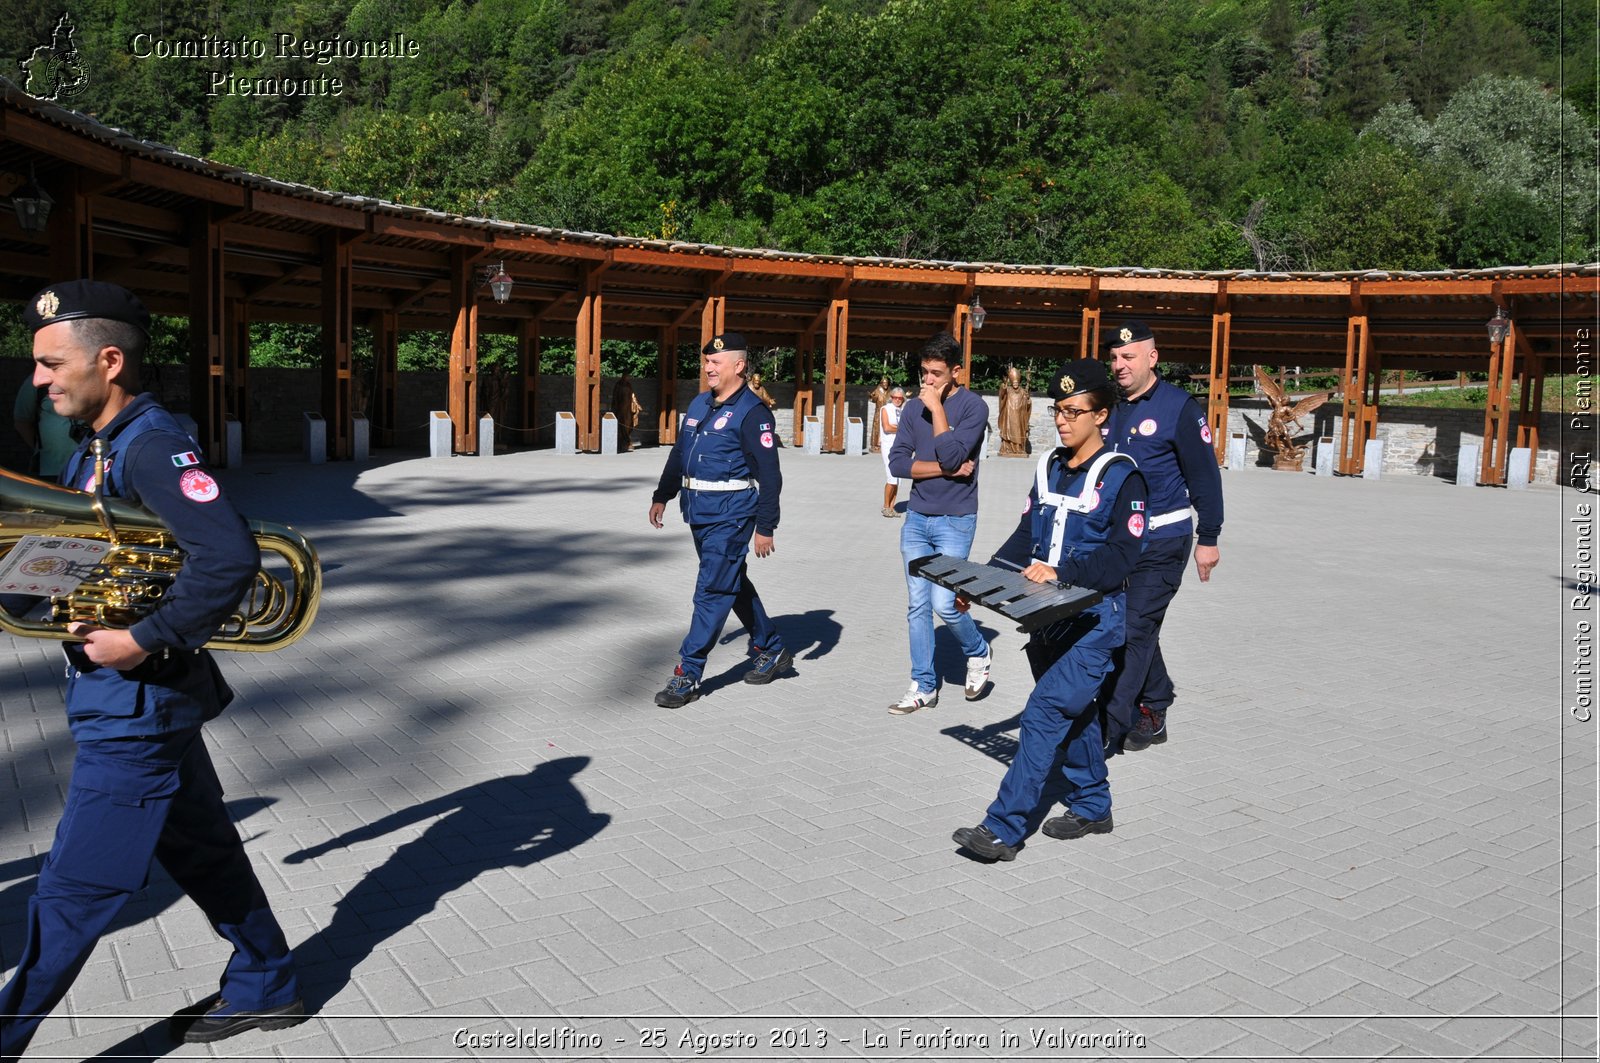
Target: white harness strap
{"type": "Point", "coordinates": [1066, 505]}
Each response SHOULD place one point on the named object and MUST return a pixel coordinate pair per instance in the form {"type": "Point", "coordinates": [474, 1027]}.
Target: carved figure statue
{"type": "Point", "coordinates": [880, 399]}
{"type": "Point", "coordinates": [1016, 411]}
{"type": "Point", "coordinates": [625, 404]}
{"type": "Point", "coordinates": [1285, 422]}
{"type": "Point", "coordinates": [758, 391]}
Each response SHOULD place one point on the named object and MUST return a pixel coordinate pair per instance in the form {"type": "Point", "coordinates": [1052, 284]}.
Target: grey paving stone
{"type": "Point", "coordinates": [1396, 851]}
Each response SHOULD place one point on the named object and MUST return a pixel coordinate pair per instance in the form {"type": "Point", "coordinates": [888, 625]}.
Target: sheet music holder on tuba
{"type": "Point", "coordinates": [108, 562]}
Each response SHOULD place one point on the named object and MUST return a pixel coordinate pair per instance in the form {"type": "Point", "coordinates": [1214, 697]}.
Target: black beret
{"type": "Point", "coordinates": [73, 300]}
{"type": "Point", "coordinates": [1130, 332]}
{"type": "Point", "coordinates": [726, 341]}
{"type": "Point", "coordinates": [1074, 378]}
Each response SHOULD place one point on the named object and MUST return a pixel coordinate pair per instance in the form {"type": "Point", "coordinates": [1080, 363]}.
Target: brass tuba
{"type": "Point", "coordinates": [140, 562]}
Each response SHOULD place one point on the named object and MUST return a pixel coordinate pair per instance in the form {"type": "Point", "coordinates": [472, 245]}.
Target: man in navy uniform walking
{"type": "Point", "coordinates": [1166, 432]}
{"type": "Point", "coordinates": [725, 464]}
{"type": "Point", "coordinates": [143, 784]}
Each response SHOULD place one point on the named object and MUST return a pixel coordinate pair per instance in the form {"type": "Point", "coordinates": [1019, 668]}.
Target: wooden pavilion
{"type": "Point", "coordinates": [224, 247]}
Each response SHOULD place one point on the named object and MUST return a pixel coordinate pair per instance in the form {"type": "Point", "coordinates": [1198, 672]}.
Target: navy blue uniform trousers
{"type": "Point", "coordinates": [1141, 677]}
{"type": "Point", "coordinates": [724, 585]}
{"type": "Point", "coordinates": [1063, 710]}
{"type": "Point", "coordinates": [132, 799]}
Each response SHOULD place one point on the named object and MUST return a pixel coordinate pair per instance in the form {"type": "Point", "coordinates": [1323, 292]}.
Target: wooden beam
{"type": "Point", "coordinates": [667, 385]}
{"type": "Point", "coordinates": [713, 319]}
{"type": "Point", "coordinates": [1217, 395]}
{"type": "Point", "coordinates": [529, 356]}
{"type": "Point", "coordinates": [463, 385]}
{"type": "Point", "coordinates": [386, 367]}
{"type": "Point", "coordinates": [586, 368]}
{"type": "Point", "coordinates": [838, 342]}
{"type": "Point", "coordinates": [236, 378]}
{"type": "Point", "coordinates": [1497, 411]}
{"type": "Point", "coordinates": [338, 409]}
{"type": "Point", "coordinates": [207, 401]}
{"type": "Point", "coordinates": [805, 395]}
{"type": "Point", "coordinates": [1352, 416]}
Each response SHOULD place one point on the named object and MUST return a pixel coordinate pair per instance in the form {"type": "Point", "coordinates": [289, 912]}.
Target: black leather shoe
{"type": "Point", "coordinates": [981, 840]}
{"type": "Point", "coordinates": [1072, 825]}
{"type": "Point", "coordinates": [214, 1020]}
{"type": "Point", "coordinates": [1149, 729]}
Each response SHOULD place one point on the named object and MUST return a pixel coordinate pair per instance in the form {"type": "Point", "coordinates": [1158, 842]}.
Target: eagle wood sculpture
{"type": "Point", "coordinates": [1285, 422]}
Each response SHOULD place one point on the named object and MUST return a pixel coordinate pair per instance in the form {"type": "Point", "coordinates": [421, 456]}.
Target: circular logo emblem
{"type": "Point", "coordinates": [722, 421]}
{"type": "Point", "coordinates": [198, 486]}
{"type": "Point", "coordinates": [45, 566]}
{"type": "Point", "coordinates": [1147, 427]}
{"type": "Point", "coordinates": [716, 344]}
{"type": "Point", "coordinates": [766, 440]}
{"type": "Point", "coordinates": [1125, 335]}
{"type": "Point", "coordinates": [1205, 431]}
{"type": "Point", "coordinates": [1136, 525]}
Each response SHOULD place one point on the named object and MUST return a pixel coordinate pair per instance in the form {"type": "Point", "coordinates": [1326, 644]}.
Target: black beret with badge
{"type": "Point", "coordinates": [1130, 332]}
{"type": "Point", "coordinates": [726, 341]}
{"type": "Point", "coordinates": [83, 299]}
{"type": "Point", "coordinates": [1075, 378]}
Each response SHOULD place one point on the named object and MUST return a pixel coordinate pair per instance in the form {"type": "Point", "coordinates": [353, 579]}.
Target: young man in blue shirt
{"type": "Point", "coordinates": [937, 448]}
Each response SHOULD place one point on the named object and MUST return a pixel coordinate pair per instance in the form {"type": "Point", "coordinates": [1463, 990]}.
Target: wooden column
{"type": "Point", "coordinates": [961, 329]}
{"type": "Point", "coordinates": [463, 386]}
{"type": "Point", "coordinates": [207, 399]}
{"type": "Point", "coordinates": [529, 355]}
{"type": "Point", "coordinates": [386, 371]}
{"type": "Point", "coordinates": [1531, 382]}
{"type": "Point", "coordinates": [236, 378]}
{"type": "Point", "coordinates": [586, 367]}
{"type": "Point", "coordinates": [667, 385]}
{"type": "Point", "coordinates": [837, 343]}
{"type": "Point", "coordinates": [70, 230]}
{"type": "Point", "coordinates": [1089, 333]}
{"type": "Point", "coordinates": [338, 331]}
{"type": "Point", "coordinates": [1221, 358]}
{"type": "Point", "coordinates": [805, 395]}
{"type": "Point", "coordinates": [1359, 414]}
{"type": "Point", "coordinates": [1497, 414]}
{"type": "Point", "coordinates": [713, 320]}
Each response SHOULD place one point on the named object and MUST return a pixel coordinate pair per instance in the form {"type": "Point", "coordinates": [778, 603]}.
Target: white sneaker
{"type": "Point", "coordinates": [913, 700]}
{"type": "Point", "coordinates": [977, 675]}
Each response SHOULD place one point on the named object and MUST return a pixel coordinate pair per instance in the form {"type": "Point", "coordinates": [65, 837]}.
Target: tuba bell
{"type": "Point", "coordinates": [135, 559]}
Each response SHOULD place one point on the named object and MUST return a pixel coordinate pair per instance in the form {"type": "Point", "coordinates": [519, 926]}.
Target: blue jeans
{"type": "Point", "coordinates": [923, 535]}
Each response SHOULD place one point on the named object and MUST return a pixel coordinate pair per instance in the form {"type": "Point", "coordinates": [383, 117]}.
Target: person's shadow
{"type": "Point", "coordinates": [509, 822]}
{"type": "Point", "coordinates": [514, 821]}
{"type": "Point", "coordinates": [807, 635]}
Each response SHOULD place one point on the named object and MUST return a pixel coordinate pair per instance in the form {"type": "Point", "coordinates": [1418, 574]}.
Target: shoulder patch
{"type": "Point", "coordinates": [1205, 430]}
{"type": "Point", "coordinates": [197, 486]}
{"type": "Point", "coordinates": [186, 459]}
{"type": "Point", "coordinates": [766, 440]}
{"type": "Point", "coordinates": [1136, 525]}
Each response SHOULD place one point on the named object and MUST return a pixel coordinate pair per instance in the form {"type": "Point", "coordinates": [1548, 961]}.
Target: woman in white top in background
{"type": "Point", "coordinates": [888, 425]}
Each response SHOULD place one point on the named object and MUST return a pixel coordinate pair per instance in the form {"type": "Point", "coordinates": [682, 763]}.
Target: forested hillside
{"type": "Point", "coordinates": [1299, 134]}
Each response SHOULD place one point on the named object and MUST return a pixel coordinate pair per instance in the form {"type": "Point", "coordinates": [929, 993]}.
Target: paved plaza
{"type": "Point", "coordinates": [1371, 834]}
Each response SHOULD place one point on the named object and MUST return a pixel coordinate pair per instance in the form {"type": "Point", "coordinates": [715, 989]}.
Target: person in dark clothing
{"type": "Point", "coordinates": [726, 466]}
{"type": "Point", "coordinates": [1084, 525]}
{"type": "Point", "coordinates": [143, 785]}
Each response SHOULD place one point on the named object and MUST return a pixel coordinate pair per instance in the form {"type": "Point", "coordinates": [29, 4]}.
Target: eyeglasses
{"type": "Point", "coordinates": [1071, 413]}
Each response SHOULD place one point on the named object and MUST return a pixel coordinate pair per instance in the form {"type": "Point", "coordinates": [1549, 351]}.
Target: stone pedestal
{"type": "Point", "coordinates": [1236, 451]}
{"type": "Point", "coordinates": [1372, 460]}
{"type": "Point", "coordinates": [1327, 456]}
{"type": "Point", "coordinates": [441, 435]}
{"type": "Point", "coordinates": [360, 438]}
{"type": "Point", "coordinates": [314, 437]}
{"type": "Point", "coordinates": [853, 433]}
{"type": "Point", "coordinates": [566, 433]}
{"type": "Point", "coordinates": [486, 436]}
{"type": "Point", "coordinates": [813, 435]}
{"type": "Point", "coordinates": [608, 433]}
{"type": "Point", "coordinates": [1519, 468]}
{"type": "Point", "coordinates": [1467, 459]}
{"type": "Point", "coordinates": [233, 441]}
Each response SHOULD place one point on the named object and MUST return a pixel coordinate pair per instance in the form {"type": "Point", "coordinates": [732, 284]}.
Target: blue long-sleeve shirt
{"type": "Point", "coordinates": [941, 496]}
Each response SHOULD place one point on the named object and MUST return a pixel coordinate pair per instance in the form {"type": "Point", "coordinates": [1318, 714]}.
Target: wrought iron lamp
{"type": "Point", "coordinates": [1498, 327]}
{"type": "Point", "coordinates": [499, 281]}
{"type": "Point", "coordinates": [32, 204]}
{"type": "Point", "coordinates": [979, 314]}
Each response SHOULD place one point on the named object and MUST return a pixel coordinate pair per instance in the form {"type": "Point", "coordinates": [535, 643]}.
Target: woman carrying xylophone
{"type": "Point", "coordinates": [1084, 525]}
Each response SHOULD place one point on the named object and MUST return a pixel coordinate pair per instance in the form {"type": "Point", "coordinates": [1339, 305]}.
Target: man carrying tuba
{"type": "Point", "coordinates": [143, 785]}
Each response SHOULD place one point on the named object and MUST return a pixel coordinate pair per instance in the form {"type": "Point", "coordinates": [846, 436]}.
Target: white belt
{"type": "Point", "coordinates": [716, 485]}
{"type": "Point", "coordinates": [1174, 517]}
